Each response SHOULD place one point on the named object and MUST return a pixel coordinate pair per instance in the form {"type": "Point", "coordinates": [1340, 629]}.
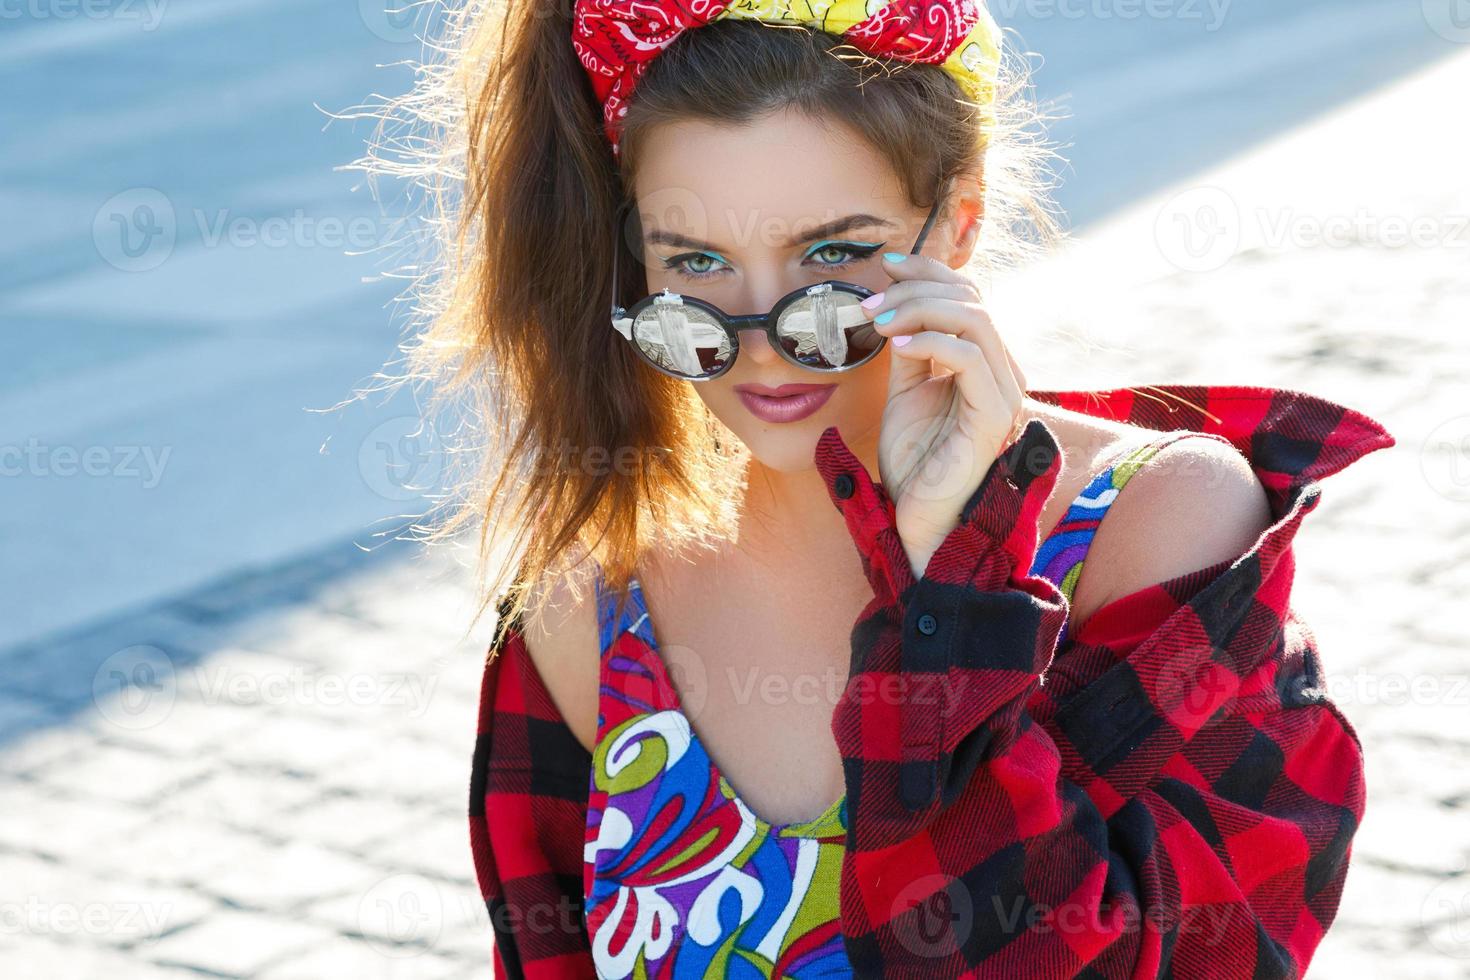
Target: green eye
{"type": "Point", "coordinates": [695, 265]}
{"type": "Point", "coordinates": [836, 254]}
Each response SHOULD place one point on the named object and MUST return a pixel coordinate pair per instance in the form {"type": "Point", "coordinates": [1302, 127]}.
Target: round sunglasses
{"type": "Point", "coordinates": [821, 327]}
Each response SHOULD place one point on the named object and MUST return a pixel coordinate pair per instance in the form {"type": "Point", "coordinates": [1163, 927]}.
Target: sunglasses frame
{"type": "Point", "coordinates": [732, 324]}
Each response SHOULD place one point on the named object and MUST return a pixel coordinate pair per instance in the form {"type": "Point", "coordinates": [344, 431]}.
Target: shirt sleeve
{"type": "Point", "coordinates": [527, 808]}
{"type": "Point", "coordinates": [1178, 795]}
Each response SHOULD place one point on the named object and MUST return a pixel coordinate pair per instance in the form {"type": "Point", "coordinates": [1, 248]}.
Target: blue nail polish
{"type": "Point", "coordinates": [894, 256]}
{"type": "Point", "coordinates": [884, 317]}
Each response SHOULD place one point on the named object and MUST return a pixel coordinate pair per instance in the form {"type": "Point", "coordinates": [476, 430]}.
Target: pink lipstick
{"type": "Point", "coordinates": [788, 403]}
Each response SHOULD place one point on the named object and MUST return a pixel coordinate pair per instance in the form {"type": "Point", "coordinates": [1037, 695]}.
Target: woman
{"type": "Point", "coordinates": [885, 727]}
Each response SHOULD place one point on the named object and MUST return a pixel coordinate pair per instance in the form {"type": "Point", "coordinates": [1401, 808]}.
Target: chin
{"type": "Point", "coordinates": [790, 447]}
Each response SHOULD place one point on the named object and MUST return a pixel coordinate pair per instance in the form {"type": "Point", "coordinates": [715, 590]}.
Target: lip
{"type": "Point", "coordinates": [788, 403]}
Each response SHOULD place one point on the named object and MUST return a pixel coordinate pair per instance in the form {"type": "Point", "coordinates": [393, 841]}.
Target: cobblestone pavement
{"type": "Point", "coordinates": [267, 778]}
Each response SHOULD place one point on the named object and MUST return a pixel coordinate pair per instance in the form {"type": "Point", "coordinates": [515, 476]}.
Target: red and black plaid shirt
{"type": "Point", "coordinates": [1167, 793]}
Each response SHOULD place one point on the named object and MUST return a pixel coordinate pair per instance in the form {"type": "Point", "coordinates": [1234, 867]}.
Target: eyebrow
{"type": "Point", "coordinates": [830, 229]}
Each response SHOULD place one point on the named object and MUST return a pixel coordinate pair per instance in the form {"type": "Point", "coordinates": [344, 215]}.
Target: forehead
{"type": "Point", "coordinates": [758, 184]}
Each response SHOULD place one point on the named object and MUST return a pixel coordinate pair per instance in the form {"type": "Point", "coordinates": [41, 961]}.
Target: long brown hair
{"type": "Point", "coordinates": [571, 447]}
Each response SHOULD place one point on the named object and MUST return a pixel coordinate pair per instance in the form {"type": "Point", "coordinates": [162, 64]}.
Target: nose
{"type": "Point", "coordinates": [755, 345]}
{"type": "Point", "coordinates": [762, 297]}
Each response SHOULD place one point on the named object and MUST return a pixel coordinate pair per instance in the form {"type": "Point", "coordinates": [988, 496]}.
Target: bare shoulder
{"type": "Point", "coordinates": [1194, 503]}
{"type": "Point", "coordinates": [561, 636]}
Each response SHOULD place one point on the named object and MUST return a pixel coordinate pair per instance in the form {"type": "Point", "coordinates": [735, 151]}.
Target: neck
{"type": "Point", "coordinates": [792, 513]}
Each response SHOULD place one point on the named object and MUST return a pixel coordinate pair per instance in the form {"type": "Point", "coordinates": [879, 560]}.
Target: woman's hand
{"type": "Point", "coordinates": [941, 430]}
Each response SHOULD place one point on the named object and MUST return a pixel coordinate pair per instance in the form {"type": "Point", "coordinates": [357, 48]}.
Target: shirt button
{"type": "Point", "coordinates": [928, 624]}
{"type": "Point", "coordinates": [843, 485]}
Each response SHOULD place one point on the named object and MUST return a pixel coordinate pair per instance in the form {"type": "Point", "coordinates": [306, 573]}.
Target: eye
{"type": "Point", "coordinates": [695, 266]}
{"type": "Point", "coordinates": [840, 254]}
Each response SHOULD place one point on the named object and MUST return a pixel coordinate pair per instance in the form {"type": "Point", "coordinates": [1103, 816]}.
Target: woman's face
{"type": "Point", "coordinates": [739, 216]}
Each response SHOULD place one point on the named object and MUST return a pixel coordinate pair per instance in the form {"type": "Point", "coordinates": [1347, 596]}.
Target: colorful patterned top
{"type": "Point", "coordinates": [681, 877]}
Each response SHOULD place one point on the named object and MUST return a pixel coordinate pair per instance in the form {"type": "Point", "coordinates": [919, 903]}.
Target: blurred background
{"type": "Point", "coordinates": [237, 712]}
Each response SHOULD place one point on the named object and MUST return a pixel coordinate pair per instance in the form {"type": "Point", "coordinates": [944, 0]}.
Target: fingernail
{"type": "Point", "coordinates": [894, 256]}
{"type": "Point", "coordinates": [885, 316]}
{"type": "Point", "coordinates": [902, 339]}
{"type": "Point", "coordinates": [873, 301]}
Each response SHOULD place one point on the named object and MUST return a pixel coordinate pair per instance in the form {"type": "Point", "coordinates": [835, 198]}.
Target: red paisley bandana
{"type": "Point", "coordinates": [616, 39]}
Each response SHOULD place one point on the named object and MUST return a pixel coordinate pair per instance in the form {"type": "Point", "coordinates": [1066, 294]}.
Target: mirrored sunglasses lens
{"type": "Point", "coordinates": [684, 340]}
{"type": "Point", "coordinates": [826, 330]}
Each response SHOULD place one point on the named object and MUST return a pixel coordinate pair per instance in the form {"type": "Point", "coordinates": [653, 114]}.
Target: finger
{"type": "Point", "coordinates": [968, 321]}
{"type": "Point", "coordinates": [1016, 371]}
{"type": "Point", "coordinates": [964, 291]}
{"type": "Point", "coordinates": [971, 369]}
{"type": "Point", "coordinates": [906, 267]}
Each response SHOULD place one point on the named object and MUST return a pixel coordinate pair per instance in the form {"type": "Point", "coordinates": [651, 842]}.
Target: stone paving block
{"type": "Point", "coordinates": [237, 797]}
{"type": "Point", "coordinates": [406, 769]}
{"type": "Point", "coordinates": [362, 960]}
{"type": "Point", "coordinates": [287, 876]}
{"type": "Point", "coordinates": [66, 670]}
{"type": "Point", "coordinates": [439, 848]}
{"type": "Point", "coordinates": [184, 727]}
{"type": "Point", "coordinates": [1433, 723]}
{"type": "Point", "coordinates": [40, 748]}
{"type": "Point", "coordinates": [52, 901]}
{"type": "Point", "coordinates": [1389, 900]}
{"type": "Point", "coordinates": [298, 743]}
{"type": "Point", "coordinates": [1426, 773]}
{"type": "Point", "coordinates": [125, 774]}
{"type": "Point", "coordinates": [231, 943]}
{"type": "Point", "coordinates": [350, 821]}
{"type": "Point", "coordinates": [43, 959]}
{"type": "Point", "coordinates": [54, 826]}
{"type": "Point", "coordinates": [1412, 836]}
{"type": "Point", "coordinates": [400, 912]}
{"type": "Point", "coordinates": [183, 852]}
